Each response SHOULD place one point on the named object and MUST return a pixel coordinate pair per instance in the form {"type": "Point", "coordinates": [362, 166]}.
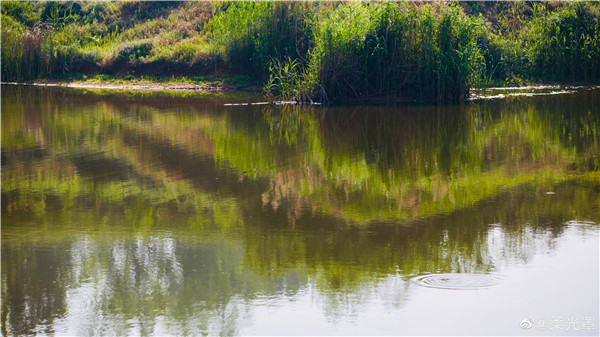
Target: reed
{"type": "Point", "coordinates": [565, 45]}
{"type": "Point", "coordinates": [374, 49]}
{"type": "Point", "coordinates": [249, 34]}
{"type": "Point", "coordinates": [26, 53]}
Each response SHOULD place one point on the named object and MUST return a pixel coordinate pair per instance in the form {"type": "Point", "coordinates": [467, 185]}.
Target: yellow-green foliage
{"type": "Point", "coordinates": [26, 52]}
{"type": "Point", "coordinates": [310, 50]}
{"type": "Point", "coordinates": [542, 41]}
{"type": "Point", "coordinates": [565, 45]}
{"type": "Point", "coordinates": [249, 34]}
{"type": "Point", "coordinates": [374, 49]}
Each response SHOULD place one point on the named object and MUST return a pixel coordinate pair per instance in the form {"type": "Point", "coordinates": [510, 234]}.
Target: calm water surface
{"type": "Point", "coordinates": [154, 214]}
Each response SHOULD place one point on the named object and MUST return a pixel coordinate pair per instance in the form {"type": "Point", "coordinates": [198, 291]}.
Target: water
{"type": "Point", "coordinates": [156, 214]}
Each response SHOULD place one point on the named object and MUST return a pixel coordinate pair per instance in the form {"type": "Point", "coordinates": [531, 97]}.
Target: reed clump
{"type": "Point", "coordinates": [547, 42]}
{"type": "Point", "coordinates": [249, 34]}
{"type": "Point", "coordinates": [374, 49]}
{"type": "Point", "coordinates": [26, 53]}
{"type": "Point", "coordinates": [565, 45]}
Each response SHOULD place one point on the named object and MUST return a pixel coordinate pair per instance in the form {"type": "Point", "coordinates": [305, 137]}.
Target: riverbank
{"type": "Point", "coordinates": [244, 91]}
{"type": "Point", "coordinates": [328, 52]}
{"type": "Point", "coordinates": [171, 83]}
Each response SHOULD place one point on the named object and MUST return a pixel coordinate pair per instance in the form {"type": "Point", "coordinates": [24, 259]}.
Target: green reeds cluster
{"type": "Point", "coordinates": [565, 45]}
{"type": "Point", "coordinates": [249, 34]}
{"type": "Point", "coordinates": [26, 53]}
{"type": "Point", "coordinates": [551, 42]}
{"type": "Point", "coordinates": [287, 80]}
{"type": "Point", "coordinates": [374, 49]}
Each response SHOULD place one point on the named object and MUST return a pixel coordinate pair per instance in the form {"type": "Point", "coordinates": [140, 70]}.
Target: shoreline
{"type": "Point", "coordinates": [141, 84]}
{"type": "Point", "coordinates": [216, 87]}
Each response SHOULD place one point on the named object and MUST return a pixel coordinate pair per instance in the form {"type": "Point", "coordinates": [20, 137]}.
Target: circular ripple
{"type": "Point", "coordinates": [457, 281]}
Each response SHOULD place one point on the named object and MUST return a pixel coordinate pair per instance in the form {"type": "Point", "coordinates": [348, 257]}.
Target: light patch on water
{"type": "Point", "coordinates": [527, 91]}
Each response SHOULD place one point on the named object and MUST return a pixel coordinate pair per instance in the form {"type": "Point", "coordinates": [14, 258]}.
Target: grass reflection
{"type": "Point", "coordinates": [358, 164]}
{"type": "Point", "coordinates": [163, 208]}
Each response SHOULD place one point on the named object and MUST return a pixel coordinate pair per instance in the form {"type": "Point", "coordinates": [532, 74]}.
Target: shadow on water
{"type": "Point", "coordinates": [137, 215]}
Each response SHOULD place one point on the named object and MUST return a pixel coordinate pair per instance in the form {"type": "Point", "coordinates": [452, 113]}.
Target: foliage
{"type": "Point", "coordinates": [249, 33]}
{"type": "Point", "coordinates": [550, 42]}
{"type": "Point", "coordinates": [373, 49]}
{"type": "Point", "coordinates": [22, 12]}
{"type": "Point", "coordinates": [26, 53]}
{"type": "Point", "coordinates": [565, 45]}
{"type": "Point", "coordinates": [326, 51]}
{"type": "Point", "coordinates": [287, 80]}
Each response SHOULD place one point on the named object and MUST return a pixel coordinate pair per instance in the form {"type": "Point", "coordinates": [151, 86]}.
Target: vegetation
{"type": "Point", "coordinates": [325, 51]}
{"type": "Point", "coordinates": [378, 49]}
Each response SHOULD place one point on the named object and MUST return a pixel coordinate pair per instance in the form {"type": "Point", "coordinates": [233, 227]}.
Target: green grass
{"type": "Point", "coordinates": [249, 34]}
{"type": "Point", "coordinates": [310, 51]}
{"type": "Point", "coordinates": [229, 82]}
{"type": "Point", "coordinates": [26, 53]}
{"type": "Point", "coordinates": [375, 49]}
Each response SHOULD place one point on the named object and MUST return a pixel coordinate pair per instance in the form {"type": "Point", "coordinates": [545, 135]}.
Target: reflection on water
{"type": "Point", "coordinates": [152, 215]}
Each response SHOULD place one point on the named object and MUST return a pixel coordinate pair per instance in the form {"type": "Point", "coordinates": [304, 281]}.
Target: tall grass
{"type": "Point", "coordinates": [249, 34]}
{"type": "Point", "coordinates": [565, 45]}
{"type": "Point", "coordinates": [288, 81]}
{"type": "Point", "coordinates": [26, 53]}
{"type": "Point", "coordinates": [375, 49]}
{"type": "Point", "coordinates": [543, 42]}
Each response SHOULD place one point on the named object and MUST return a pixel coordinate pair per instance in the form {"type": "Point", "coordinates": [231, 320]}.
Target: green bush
{"type": "Point", "coordinates": [542, 42]}
{"type": "Point", "coordinates": [565, 45]}
{"type": "Point", "coordinates": [249, 34]}
{"type": "Point", "coordinates": [21, 11]}
{"type": "Point", "coordinates": [128, 53]}
{"type": "Point", "coordinates": [374, 49]}
{"type": "Point", "coordinates": [190, 52]}
{"type": "Point", "coordinates": [312, 50]}
{"type": "Point", "coordinates": [26, 53]}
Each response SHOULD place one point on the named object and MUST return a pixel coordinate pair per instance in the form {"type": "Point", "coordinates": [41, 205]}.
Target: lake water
{"type": "Point", "coordinates": [156, 214]}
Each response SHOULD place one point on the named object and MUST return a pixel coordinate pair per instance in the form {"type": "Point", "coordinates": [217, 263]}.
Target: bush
{"type": "Point", "coordinates": [190, 52]}
{"type": "Point", "coordinates": [565, 45]}
{"type": "Point", "coordinates": [128, 53]}
{"type": "Point", "coordinates": [21, 11]}
{"type": "Point", "coordinates": [249, 34]}
{"type": "Point", "coordinates": [26, 53]}
{"type": "Point", "coordinates": [375, 49]}
{"type": "Point", "coordinates": [312, 50]}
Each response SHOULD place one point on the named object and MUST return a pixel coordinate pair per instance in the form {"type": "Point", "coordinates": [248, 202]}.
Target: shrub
{"type": "Point", "coordinates": [190, 52]}
{"type": "Point", "coordinates": [565, 45]}
{"type": "Point", "coordinates": [375, 49]}
{"type": "Point", "coordinates": [129, 52]}
{"type": "Point", "coordinates": [21, 11]}
{"type": "Point", "coordinates": [249, 34]}
{"type": "Point", "coordinates": [26, 53]}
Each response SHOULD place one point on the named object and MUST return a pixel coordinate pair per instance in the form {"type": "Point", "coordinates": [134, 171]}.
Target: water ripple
{"type": "Point", "coordinates": [457, 281]}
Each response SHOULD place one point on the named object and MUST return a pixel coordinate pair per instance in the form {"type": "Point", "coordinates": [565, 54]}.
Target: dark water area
{"type": "Point", "coordinates": [158, 214]}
